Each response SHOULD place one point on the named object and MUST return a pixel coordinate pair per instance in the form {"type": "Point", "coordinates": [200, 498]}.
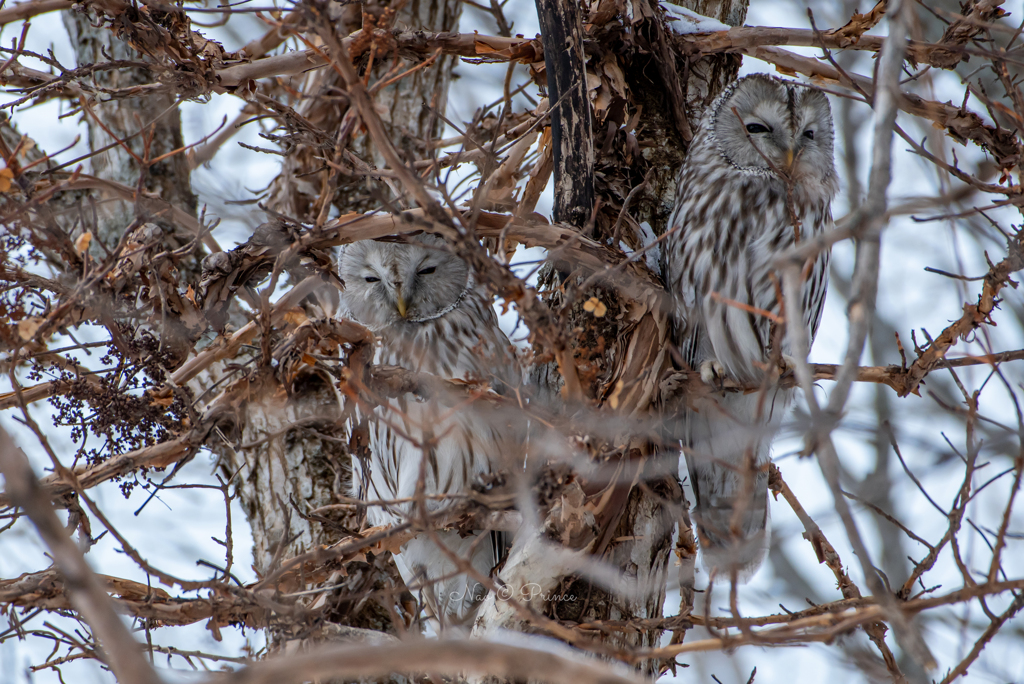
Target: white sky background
{"type": "Point", "coordinates": [176, 529]}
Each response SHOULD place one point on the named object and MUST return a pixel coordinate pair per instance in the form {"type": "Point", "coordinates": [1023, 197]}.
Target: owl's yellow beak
{"type": "Point", "coordinates": [400, 303]}
{"type": "Point", "coordinates": [789, 159]}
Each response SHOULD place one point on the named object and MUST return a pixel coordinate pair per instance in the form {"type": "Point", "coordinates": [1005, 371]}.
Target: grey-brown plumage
{"type": "Point", "coordinates": [733, 216]}
{"type": "Point", "coordinates": [421, 300]}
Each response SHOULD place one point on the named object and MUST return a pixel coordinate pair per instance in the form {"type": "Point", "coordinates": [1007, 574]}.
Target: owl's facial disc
{"type": "Point", "coordinates": [766, 124]}
{"type": "Point", "coordinates": [401, 284]}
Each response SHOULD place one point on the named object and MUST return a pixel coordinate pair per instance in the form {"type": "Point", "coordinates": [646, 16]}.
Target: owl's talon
{"type": "Point", "coordinates": [787, 365]}
{"type": "Point", "coordinates": [712, 372]}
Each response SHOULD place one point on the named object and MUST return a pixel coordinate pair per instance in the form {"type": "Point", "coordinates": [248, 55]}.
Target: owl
{"type": "Point", "coordinates": [421, 300]}
{"type": "Point", "coordinates": [762, 156]}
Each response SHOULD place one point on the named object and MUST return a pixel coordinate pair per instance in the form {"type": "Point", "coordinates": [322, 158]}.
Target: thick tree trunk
{"type": "Point", "coordinates": [150, 127]}
{"type": "Point", "coordinates": [572, 138]}
{"type": "Point", "coordinates": [137, 131]}
{"type": "Point", "coordinates": [307, 189]}
{"type": "Point", "coordinates": [290, 471]}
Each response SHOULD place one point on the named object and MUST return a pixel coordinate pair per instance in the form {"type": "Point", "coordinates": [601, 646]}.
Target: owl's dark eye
{"type": "Point", "coordinates": [371, 279]}
{"type": "Point", "coordinates": [426, 271]}
{"type": "Point", "coordinates": [757, 128]}
{"type": "Point", "coordinates": [809, 134]}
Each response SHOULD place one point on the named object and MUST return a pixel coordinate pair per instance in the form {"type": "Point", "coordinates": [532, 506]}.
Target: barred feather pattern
{"type": "Point", "coordinates": [450, 330]}
{"type": "Point", "coordinates": [732, 218]}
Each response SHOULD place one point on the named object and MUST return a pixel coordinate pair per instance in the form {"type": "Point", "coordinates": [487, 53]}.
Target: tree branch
{"type": "Point", "coordinates": [122, 653]}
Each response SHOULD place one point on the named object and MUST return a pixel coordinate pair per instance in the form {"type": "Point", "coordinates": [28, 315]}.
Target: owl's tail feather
{"type": "Point", "coordinates": [728, 451]}
{"type": "Point", "coordinates": [451, 595]}
{"type": "Point", "coordinates": [728, 469]}
{"type": "Point", "coordinates": [732, 527]}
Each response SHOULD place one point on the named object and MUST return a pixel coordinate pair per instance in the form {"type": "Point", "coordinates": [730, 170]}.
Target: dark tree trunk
{"type": "Point", "coordinates": [572, 137]}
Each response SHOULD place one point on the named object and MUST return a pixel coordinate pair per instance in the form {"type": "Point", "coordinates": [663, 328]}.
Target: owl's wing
{"type": "Point", "coordinates": [717, 303]}
{"type": "Point", "coordinates": [468, 344]}
{"type": "Point", "coordinates": [816, 287]}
